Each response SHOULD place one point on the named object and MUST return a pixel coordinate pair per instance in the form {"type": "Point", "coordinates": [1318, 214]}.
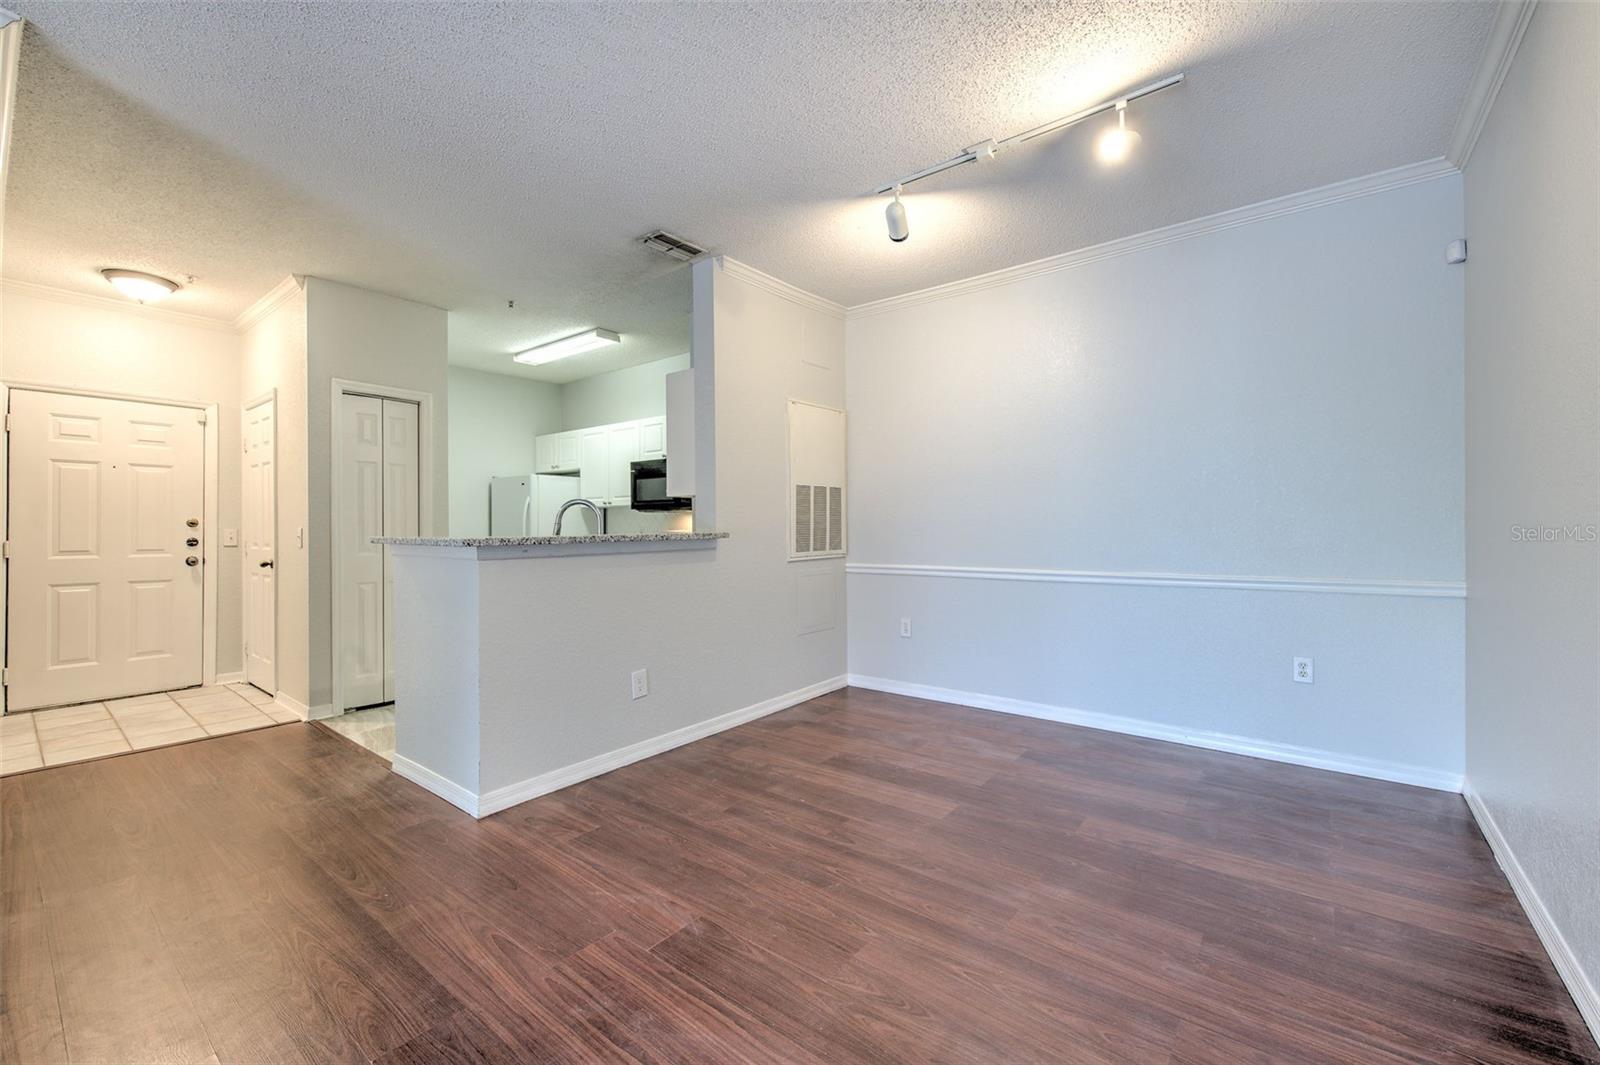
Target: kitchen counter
{"type": "Point", "coordinates": [552, 546]}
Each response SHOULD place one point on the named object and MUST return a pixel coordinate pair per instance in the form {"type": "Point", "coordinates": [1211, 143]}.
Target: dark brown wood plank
{"type": "Point", "coordinates": [863, 877]}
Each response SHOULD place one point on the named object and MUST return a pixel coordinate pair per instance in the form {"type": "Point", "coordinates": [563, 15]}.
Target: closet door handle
{"type": "Point", "coordinates": [266, 565]}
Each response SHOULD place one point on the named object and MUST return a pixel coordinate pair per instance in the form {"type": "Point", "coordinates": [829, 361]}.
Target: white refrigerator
{"type": "Point", "coordinates": [527, 505]}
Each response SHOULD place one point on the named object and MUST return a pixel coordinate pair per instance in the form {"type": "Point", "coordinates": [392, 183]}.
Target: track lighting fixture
{"type": "Point", "coordinates": [1113, 146]}
{"type": "Point", "coordinates": [1116, 143]}
{"type": "Point", "coordinates": [899, 230]}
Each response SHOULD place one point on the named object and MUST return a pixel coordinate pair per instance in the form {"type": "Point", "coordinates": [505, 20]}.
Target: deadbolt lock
{"type": "Point", "coordinates": [191, 561]}
{"type": "Point", "coordinates": [193, 523]}
{"type": "Point", "coordinates": [193, 541]}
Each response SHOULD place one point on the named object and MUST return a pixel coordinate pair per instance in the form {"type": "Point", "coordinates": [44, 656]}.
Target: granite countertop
{"type": "Point", "coordinates": [546, 541]}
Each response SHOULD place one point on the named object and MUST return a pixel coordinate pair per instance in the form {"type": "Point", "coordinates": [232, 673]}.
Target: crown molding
{"type": "Point", "coordinates": [114, 303]}
{"type": "Point", "coordinates": [1510, 23]}
{"type": "Point", "coordinates": [268, 303]}
{"type": "Point", "coordinates": [748, 273]}
{"type": "Point", "coordinates": [1338, 192]}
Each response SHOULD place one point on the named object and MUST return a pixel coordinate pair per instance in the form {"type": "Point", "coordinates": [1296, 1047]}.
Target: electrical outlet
{"type": "Point", "coordinates": [905, 628]}
{"type": "Point", "coordinates": [641, 683]}
{"type": "Point", "coordinates": [1302, 671]}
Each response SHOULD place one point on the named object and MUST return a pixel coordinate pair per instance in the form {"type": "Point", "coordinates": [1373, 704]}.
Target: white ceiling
{"type": "Point", "coordinates": [468, 155]}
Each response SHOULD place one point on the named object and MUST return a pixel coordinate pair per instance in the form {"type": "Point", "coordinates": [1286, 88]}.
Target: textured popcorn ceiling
{"type": "Point", "coordinates": [469, 155]}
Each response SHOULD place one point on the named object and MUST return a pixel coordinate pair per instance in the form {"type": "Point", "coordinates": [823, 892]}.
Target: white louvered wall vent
{"type": "Point", "coordinates": [818, 522]}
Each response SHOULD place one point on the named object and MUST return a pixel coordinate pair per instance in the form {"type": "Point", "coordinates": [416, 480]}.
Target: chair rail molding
{"type": "Point", "coordinates": [1319, 585]}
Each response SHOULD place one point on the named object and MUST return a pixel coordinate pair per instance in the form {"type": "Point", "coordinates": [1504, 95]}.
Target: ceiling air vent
{"type": "Point", "coordinates": [671, 246]}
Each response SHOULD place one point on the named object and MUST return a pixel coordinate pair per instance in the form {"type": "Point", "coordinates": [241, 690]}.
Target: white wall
{"type": "Point", "coordinates": [99, 346]}
{"type": "Point", "coordinates": [357, 335]}
{"type": "Point", "coordinates": [275, 361]}
{"type": "Point", "coordinates": [619, 396]}
{"type": "Point", "coordinates": [495, 418]}
{"type": "Point", "coordinates": [1276, 399]}
{"type": "Point", "coordinates": [1533, 458]}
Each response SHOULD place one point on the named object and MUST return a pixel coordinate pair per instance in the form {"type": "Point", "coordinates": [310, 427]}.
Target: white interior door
{"type": "Point", "coordinates": [359, 515]}
{"type": "Point", "coordinates": [401, 513]}
{"type": "Point", "coordinates": [107, 585]}
{"type": "Point", "coordinates": [260, 531]}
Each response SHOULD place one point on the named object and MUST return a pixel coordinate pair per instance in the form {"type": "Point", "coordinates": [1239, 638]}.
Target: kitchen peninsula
{"type": "Point", "coordinates": [481, 648]}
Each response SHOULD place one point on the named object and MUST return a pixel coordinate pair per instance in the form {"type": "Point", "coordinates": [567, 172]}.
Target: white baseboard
{"type": "Point", "coordinates": [1399, 772]}
{"type": "Point", "coordinates": [318, 713]}
{"type": "Point", "coordinates": [513, 794]}
{"type": "Point", "coordinates": [442, 786]}
{"type": "Point", "coordinates": [293, 705]}
{"type": "Point", "coordinates": [1584, 992]}
{"type": "Point", "coordinates": [231, 678]}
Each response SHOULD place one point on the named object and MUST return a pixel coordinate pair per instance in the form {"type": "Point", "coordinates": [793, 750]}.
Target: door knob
{"type": "Point", "coordinates": [266, 565]}
{"type": "Point", "coordinates": [193, 523]}
{"type": "Point", "coordinates": [191, 542]}
{"type": "Point", "coordinates": [191, 561]}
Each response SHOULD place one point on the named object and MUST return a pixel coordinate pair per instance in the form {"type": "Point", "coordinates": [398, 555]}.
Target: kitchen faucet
{"type": "Point", "coordinates": [599, 514]}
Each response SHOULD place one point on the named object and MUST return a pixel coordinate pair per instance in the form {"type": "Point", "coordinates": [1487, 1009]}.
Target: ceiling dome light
{"type": "Point", "coordinates": [899, 228]}
{"type": "Point", "coordinates": [1115, 145]}
{"type": "Point", "coordinates": [145, 288]}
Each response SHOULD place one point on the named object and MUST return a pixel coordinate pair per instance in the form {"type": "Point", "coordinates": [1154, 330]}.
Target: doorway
{"type": "Point", "coordinates": [377, 492]}
{"type": "Point", "coordinates": [107, 585]}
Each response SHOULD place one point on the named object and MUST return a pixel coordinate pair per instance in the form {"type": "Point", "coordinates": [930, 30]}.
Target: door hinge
{"type": "Point", "coordinates": [5, 549]}
{"type": "Point", "coordinates": [200, 416]}
{"type": "Point", "coordinates": [5, 677]}
{"type": "Point", "coordinates": [8, 421]}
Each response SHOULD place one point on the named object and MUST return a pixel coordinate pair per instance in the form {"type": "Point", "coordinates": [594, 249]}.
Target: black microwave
{"type": "Point", "coordinates": [650, 487]}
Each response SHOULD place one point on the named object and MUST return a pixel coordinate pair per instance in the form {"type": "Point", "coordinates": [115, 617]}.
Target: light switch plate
{"type": "Point", "coordinates": [230, 537]}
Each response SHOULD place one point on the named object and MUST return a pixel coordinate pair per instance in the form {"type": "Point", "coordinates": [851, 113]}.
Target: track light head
{"type": "Point", "coordinates": [1117, 143]}
{"type": "Point", "coordinates": [895, 214]}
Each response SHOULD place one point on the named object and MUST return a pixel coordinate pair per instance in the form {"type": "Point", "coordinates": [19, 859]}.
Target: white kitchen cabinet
{"type": "Point", "coordinates": [652, 439]}
{"type": "Point", "coordinates": [594, 475]}
{"type": "Point", "coordinates": [622, 450]}
{"type": "Point", "coordinates": [557, 452]}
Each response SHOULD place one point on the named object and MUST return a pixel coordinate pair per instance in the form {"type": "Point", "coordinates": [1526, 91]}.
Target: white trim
{"type": "Point", "coordinates": [747, 273]}
{"type": "Point", "coordinates": [268, 303]}
{"type": "Point", "coordinates": [520, 792]}
{"type": "Point", "coordinates": [230, 678]}
{"type": "Point", "coordinates": [1383, 181]}
{"type": "Point", "coordinates": [114, 303]}
{"type": "Point", "coordinates": [1324, 585]}
{"type": "Point", "coordinates": [293, 705]}
{"type": "Point", "coordinates": [442, 786]}
{"type": "Point", "coordinates": [1582, 987]}
{"type": "Point", "coordinates": [1399, 772]}
{"type": "Point", "coordinates": [566, 776]}
{"type": "Point", "coordinates": [211, 546]}
{"type": "Point", "coordinates": [1510, 23]}
{"type": "Point", "coordinates": [425, 516]}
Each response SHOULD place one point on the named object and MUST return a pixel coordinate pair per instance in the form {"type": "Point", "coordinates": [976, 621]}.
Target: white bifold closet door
{"type": "Point", "coordinates": [106, 571]}
{"type": "Point", "coordinates": [378, 497]}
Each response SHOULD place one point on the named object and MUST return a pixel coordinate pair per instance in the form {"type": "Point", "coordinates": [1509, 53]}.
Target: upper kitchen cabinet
{"type": "Point", "coordinates": [653, 438]}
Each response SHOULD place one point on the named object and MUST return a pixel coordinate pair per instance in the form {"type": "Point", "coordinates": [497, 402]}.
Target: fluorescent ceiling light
{"type": "Point", "coordinates": [573, 345]}
{"type": "Point", "coordinates": [146, 288]}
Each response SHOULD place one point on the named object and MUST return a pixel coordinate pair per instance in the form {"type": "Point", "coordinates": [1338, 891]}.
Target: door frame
{"type": "Point", "coordinates": [269, 396]}
{"type": "Point", "coordinates": [211, 537]}
{"type": "Point", "coordinates": [425, 524]}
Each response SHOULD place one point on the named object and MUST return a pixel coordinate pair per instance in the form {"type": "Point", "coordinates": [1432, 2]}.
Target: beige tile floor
{"type": "Point", "coordinates": [372, 728]}
{"type": "Point", "coordinates": [40, 738]}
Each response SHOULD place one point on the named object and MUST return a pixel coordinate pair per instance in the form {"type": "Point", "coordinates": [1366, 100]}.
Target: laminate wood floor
{"type": "Point", "coordinates": [860, 878]}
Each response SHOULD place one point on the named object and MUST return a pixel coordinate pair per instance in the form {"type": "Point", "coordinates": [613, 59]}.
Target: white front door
{"type": "Point", "coordinates": [260, 534]}
{"type": "Point", "coordinates": [400, 508]}
{"type": "Point", "coordinates": [107, 590]}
